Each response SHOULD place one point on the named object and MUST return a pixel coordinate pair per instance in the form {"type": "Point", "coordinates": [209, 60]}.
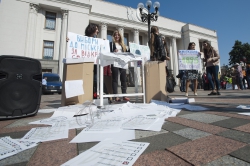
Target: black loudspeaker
{"type": "Point", "coordinates": [20, 86]}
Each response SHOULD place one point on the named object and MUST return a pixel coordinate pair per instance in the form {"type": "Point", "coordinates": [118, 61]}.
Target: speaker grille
{"type": "Point", "coordinates": [20, 86]}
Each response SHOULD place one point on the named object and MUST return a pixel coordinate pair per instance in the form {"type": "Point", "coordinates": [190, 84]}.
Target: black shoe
{"type": "Point", "coordinates": [212, 93]}
{"type": "Point", "coordinates": [218, 93]}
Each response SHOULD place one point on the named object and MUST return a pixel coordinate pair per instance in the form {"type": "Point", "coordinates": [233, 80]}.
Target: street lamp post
{"type": "Point", "coordinates": [149, 16]}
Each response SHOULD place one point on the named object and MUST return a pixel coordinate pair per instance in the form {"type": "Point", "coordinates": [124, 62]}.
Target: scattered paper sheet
{"type": "Point", "coordinates": [42, 134]}
{"type": "Point", "coordinates": [110, 153]}
{"type": "Point", "coordinates": [72, 123]}
{"type": "Point", "coordinates": [142, 123]}
{"type": "Point", "coordinates": [243, 106]}
{"type": "Point", "coordinates": [56, 117]}
{"type": "Point", "coordinates": [73, 88]}
{"type": "Point", "coordinates": [9, 147]}
{"type": "Point", "coordinates": [46, 110]}
{"type": "Point", "coordinates": [85, 136]}
{"type": "Point", "coordinates": [180, 105]}
{"type": "Point", "coordinates": [246, 113]}
{"type": "Point", "coordinates": [105, 126]}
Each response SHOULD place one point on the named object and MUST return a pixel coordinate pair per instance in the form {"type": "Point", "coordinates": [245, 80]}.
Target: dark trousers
{"type": "Point", "coordinates": [183, 85]}
{"type": "Point", "coordinates": [213, 71]}
{"type": "Point", "coordinates": [240, 82]}
{"type": "Point", "coordinates": [243, 82]}
{"type": "Point", "coordinates": [115, 72]}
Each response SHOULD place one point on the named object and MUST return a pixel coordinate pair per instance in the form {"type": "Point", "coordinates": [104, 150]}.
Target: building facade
{"type": "Point", "coordinates": [38, 29]}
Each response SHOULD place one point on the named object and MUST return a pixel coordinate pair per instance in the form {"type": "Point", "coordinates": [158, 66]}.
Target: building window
{"type": "Point", "coordinates": [109, 35]}
{"type": "Point", "coordinates": [48, 50]}
{"type": "Point", "coordinates": [50, 20]}
{"type": "Point", "coordinates": [126, 41]}
{"type": "Point", "coordinates": [140, 40]}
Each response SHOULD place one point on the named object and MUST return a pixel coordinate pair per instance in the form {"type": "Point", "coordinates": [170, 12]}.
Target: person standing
{"type": "Point", "coordinates": [239, 75]}
{"type": "Point", "coordinates": [212, 66]}
{"type": "Point", "coordinates": [191, 75]}
{"type": "Point", "coordinates": [117, 45]}
{"type": "Point", "coordinates": [244, 79]}
{"type": "Point", "coordinates": [157, 49]}
{"type": "Point", "coordinates": [248, 76]}
{"type": "Point", "coordinates": [44, 81]}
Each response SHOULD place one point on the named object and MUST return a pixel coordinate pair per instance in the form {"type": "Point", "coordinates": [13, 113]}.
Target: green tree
{"type": "Point", "coordinates": [239, 52]}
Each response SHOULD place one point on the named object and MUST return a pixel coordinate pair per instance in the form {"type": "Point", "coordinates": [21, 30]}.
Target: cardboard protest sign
{"type": "Point", "coordinates": [189, 60]}
{"type": "Point", "coordinates": [80, 46]}
{"type": "Point", "coordinates": [139, 50]}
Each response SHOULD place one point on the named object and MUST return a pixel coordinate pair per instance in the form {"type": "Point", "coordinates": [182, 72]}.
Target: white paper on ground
{"type": "Point", "coordinates": [243, 106]}
{"type": "Point", "coordinates": [46, 110]}
{"type": "Point", "coordinates": [190, 100]}
{"type": "Point", "coordinates": [42, 134]}
{"type": "Point", "coordinates": [246, 113]}
{"type": "Point", "coordinates": [123, 135]}
{"type": "Point", "coordinates": [72, 123]}
{"type": "Point", "coordinates": [105, 126]}
{"type": "Point", "coordinates": [171, 105]}
{"type": "Point", "coordinates": [110, 152]}
{"type": "Point", "coordinates": [73, 88]}
{"type": "Point", "coordinates": [56, 117]}
{"type": "Point", "coordinates": [9, 147]}
{"type": "Point", "coordinates": [141, 123]}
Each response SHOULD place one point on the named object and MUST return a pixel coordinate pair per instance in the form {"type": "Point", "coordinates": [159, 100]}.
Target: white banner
{"type": "Point", "coordinates": [80, 46]}
{"type": "Point", "coordinates": [189, 60]}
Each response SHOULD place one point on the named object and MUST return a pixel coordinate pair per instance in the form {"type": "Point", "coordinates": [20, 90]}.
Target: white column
{"type": "Point", "coordinates": [175, 59]}
{"type": "Point", "coordinates": [104, 28]}
{"type": "Point", "coordinates": [136, 36]}
{"type": "Point", "coordinates": [121, 30]}
{"type": "Point", "coordinates": [171, 54]}
{"type": "Point", "coordinates": [31, 31]}
{"type": "Point", "coordinates": [63, 41]}
{"type": "Point", "coordinates": [137, 70]}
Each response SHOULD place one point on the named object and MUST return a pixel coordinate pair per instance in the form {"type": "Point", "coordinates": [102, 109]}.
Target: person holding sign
{"type": "Point", "coordinates": [192, 74]}
{"type": "Point", "coordinates": [212, 66]}
{"type": "Point", "coordinates": [117, 45]}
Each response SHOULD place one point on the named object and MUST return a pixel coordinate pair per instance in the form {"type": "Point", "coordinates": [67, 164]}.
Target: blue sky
{"type": "Point", "coordinates": [230, 18]}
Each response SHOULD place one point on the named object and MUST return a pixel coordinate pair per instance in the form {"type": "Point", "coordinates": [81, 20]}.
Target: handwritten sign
{"type": "Point", "coordinates": [89, 48]}
{"type": "Point", "coordinates": [189, 60]}
{"type": "Point", "coordinates": [140, 50]}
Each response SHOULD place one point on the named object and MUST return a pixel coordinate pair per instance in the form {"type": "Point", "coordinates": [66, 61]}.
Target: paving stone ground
{"type": "Point", "coordinates": [218, 136]}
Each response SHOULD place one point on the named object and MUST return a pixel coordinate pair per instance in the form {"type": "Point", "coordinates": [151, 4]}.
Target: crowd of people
{"type": "Point", "coordinates": [209, 80]}
{"type": "Point", "coordinates": [158, 49]}
{"type": "Point", "coordinates": [238, 76]}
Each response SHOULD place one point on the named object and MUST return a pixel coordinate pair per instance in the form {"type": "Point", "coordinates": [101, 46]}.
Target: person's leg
{"type": "Point", "coordinates": [114, 79]}
{"type": "Point", "coordinates": [184, 84]}
{"type": "Point", "coordinates": [123, 80]}
{"type": "Point", "coordinates": [195, 82]}
{"type": "Point", "coordinates": [215, 74]}
{"type": "Point", "coordinates": [209, 71]}
{"type": "Point", "coordinates": [187, 85]}
{"type": "Point", "coordinates": [248, 82]}
{"type": "Point", "coordinates": [240, 82]}
{"type": "Point", "coordinates": [243, 82]}
{"type": "Point", "coordinates": [123, 83]}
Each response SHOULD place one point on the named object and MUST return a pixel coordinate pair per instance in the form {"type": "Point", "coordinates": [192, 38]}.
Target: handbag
{"type": "Point", "coordinates": [170, 82]}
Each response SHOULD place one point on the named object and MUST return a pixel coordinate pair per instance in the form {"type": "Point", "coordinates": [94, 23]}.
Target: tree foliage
{"type": "Point", "coordinates": [239, 52]}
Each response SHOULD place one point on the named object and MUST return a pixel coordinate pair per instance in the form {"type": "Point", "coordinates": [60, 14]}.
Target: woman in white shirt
{"type": "Point", "coordinates": [117, 45]}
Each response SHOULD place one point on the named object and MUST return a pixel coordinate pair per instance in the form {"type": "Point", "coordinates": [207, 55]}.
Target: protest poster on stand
{"type": "Point", "coordinates": [189, 60]}
{"type": "Point", "coordinates": [89, 48]}
{"type": "Point", "coordinates": [139, 50]}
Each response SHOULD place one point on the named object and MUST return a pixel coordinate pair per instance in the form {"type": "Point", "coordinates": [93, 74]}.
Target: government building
{"type": "Point", "coordinates": [38, 29]}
